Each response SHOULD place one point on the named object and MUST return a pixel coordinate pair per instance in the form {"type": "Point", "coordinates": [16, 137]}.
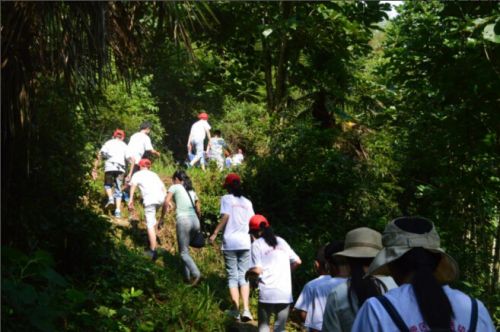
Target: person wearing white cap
{"type": "Point", "coordinates": [423, 301]}
{"type": "Point", "coordinates": [361, 246]}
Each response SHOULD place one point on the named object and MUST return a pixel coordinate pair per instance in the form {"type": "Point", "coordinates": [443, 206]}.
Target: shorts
{"type": "Point", "coordinates": [150, 215]}
{"type": "Point", "coordinates": [237, 263]}
{"type": "Point", "coordinates": [114, 178]}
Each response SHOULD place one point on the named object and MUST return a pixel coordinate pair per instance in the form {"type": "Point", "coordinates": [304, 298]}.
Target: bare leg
{"type": "Point", "coordinates": [245, 294]}
{"type": "Point", "coordinates": [235, 297]}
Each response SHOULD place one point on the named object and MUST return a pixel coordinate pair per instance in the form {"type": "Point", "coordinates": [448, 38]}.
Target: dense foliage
{"type": "Point", "coordinates": [346, 120]}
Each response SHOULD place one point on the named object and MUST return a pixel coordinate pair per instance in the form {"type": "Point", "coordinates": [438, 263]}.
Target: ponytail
{"type": "Point", "coordinates": [268, 235]}
{"type": "Point", "coordinates": [432, 301]}
{"type": "Point", "coordinates": [362, 287]}
{"type": "Point", "coordinates": [186, 181]}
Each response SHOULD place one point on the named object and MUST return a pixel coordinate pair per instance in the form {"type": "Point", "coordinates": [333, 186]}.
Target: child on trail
{"type": "Point", "coordinates": [423, 301]}
{"type": "Point", "coordinates": [113, 151]}
{"type": "Point", "coordinates": [153, 196]}
{"type": "Point", "coordinates": [187, 222]}
{"type": "Point", "coordinates": [236, 211]}
{"type": "Point", "coordinates": [312, 300]}
{"type": "Point", "coordinates": [272, 263]}
{"type": "Point", "coordinates": [344, 301]}
{"type": "Point", "coordinates": [199, 130]}
{"type": "Point", "coordinates": [216, 148]}
{"type": "Point", "coordinates": [237, 158]}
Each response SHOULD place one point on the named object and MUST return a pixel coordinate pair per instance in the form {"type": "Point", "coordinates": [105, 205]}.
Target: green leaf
{"type": "Point", "coordinates": [267, 32]}
{"type": "Point", "coordinates": [490, 35]}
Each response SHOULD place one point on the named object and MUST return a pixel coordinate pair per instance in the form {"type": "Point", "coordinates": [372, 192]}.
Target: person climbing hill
{"type": "Point", "coordinates": [236, 211]}
{"type": "Point", "coordinates": [188, 208]}
{"type": "Point", "coordinates": [153, 196]}
{"type": "Point", "coordinates": [113, 152]}
{"type": "Point", "coordinates": [273, 260]}
{"type": "Point", "coordinates": [196, 140]}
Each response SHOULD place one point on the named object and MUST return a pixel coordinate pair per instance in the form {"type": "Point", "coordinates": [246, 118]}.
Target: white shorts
{"type": "Point", "coordinates": [150, 214]}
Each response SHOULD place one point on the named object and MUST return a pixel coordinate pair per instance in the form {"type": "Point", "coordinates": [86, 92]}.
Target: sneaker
{"type": "Point", "coordinates": [118, 214]}
{"type": "Point", "coordinates": [246, 316]}
{"type": "Point", "coordinates": [234, 314]}
{"type": "Point", "coordinates": [151, 254]}
{"type": "Point", "coordinates": [109, 204]}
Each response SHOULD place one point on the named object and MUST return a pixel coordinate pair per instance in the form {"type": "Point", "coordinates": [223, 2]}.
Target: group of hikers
{"type": "Point", "coordinates": [395, 281]}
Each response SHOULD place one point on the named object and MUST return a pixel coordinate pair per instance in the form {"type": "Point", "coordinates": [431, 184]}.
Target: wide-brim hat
{"type": "Point", "coordinates": [361, 242]}
{"type": "Point", "coordinates": [398, 242]}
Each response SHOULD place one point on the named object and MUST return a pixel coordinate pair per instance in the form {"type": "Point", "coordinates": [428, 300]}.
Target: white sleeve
{"type": "Point", "coordinates": [256, 255]}
{"type": "Point", "coordinates": [304, 301]}
{"type": "Point", "coordinates": [291, 254]}
{"type": "Point", "coordinates": [484, 322]}
{"type": "Point", "coordinates": [367, 319]}
{"type": "Point", "coordinates": [172, 189]}
{"type": "Point", "coordinates": [135, 179]}
{"type": "Point", "coordinates": [147, 144]}
{"type": "Point", "coordinates": [225, 205]}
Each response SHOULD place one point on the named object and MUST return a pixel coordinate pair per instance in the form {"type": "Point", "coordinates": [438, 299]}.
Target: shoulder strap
{"type": "Point", "coordinates": [395, 316]}
{"type": "Point", "coordinates": [473, 315]}
{"type": "Point", "coordinates": [192, 203]}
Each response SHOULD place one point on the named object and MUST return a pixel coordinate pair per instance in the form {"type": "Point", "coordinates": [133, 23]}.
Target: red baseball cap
{"type": "Point", "coordinates": [145, 163]}
{"type": "Point", "coordinates": [119, 132]}
{"type": "Point", "coordinates": [230, 178]}
{"type": "Point", "coordinates": [203, 116]}
{"type": "Point", "coordinates": [256, 221]}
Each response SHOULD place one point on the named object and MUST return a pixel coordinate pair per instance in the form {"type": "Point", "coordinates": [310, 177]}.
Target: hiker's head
{"type": "Point", "coordinates": [217, 133]}
{"type": "Point", "coordinates": [203, 116]}
{"type": "Point", "coordinates": [232, 183]}
{"type": "Point", "coordinates": [145, 163]}
{"type": "Point", "coordinates": [336, 265]}
{"type": "Point", "coordinates": [181, 177]}
{"type": "Point", "coordinates": [118, 133]}
{"type": "Point", "coordinates": [412, 254]}
{"type": "Point", "coordinates": [320, 265]}
{"type": "Point", "coordinates": [407, 237]}
{"type": "Point", "coordinates": [145, 127]}
{"type": "Point", "coordinates": [260, 227]}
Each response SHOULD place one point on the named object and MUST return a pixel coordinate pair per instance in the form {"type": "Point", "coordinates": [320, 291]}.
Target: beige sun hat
{"type": "Point", "coordinates": [397, 242]}
{"type": "Point", "coordinates": [361, 242]}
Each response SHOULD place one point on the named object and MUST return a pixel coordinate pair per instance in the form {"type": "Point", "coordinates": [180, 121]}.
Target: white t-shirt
{"type": "Point", "coordinates": [114, 152]}
{"type": "Point", "coordinates": [237, 159]}
{"type": "Point", "coordinates": [138, 144]}
{"type": "Point", "coordinates": [313, 297]}
{"type": "Point", "coordinates": [198, 130]}
{"type": "Point", "coordinates": [152, 188]}
{"type": "Point", "coordinates": [239, 210]}
{"type": "Point", "coordinates": [373, 317]}
{"type": "Point", "coordinates": [276, 278]}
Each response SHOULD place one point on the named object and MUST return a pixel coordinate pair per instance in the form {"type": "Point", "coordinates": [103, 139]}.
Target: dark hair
{"type": "Point", "coordinates": [234, 188]}
{"type": "Point", "coordinates": [332, 248]}
{"type": "Point", "coordinates": [362, 287]}
{"type": "Point", "coordinates": [267, 234]}
{"type": "Point", "coordinates": [217, 132]}
{"type": "Point", "coordinates": [182, 176]}
{"type": "Point", "coordinates": [145, 125]}
{"type": "Point", "coordinates": [432, 301]}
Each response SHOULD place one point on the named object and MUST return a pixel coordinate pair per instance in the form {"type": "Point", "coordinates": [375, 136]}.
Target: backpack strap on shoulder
{"type": "Point", "coordinates": [473, 315]}
{"type": "Point", "coordinates": [395, 316]}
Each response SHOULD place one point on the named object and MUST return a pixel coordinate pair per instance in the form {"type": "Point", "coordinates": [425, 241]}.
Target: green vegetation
{"type": "Point", "coordinates": [346, 120]}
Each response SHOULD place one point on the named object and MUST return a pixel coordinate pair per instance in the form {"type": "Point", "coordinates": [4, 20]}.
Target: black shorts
{"type": "Point", "coordinates": [111, 176]}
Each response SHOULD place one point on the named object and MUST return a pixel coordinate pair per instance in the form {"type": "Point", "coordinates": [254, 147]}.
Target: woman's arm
{"type": "Point", "coordinates": [220, 225]}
